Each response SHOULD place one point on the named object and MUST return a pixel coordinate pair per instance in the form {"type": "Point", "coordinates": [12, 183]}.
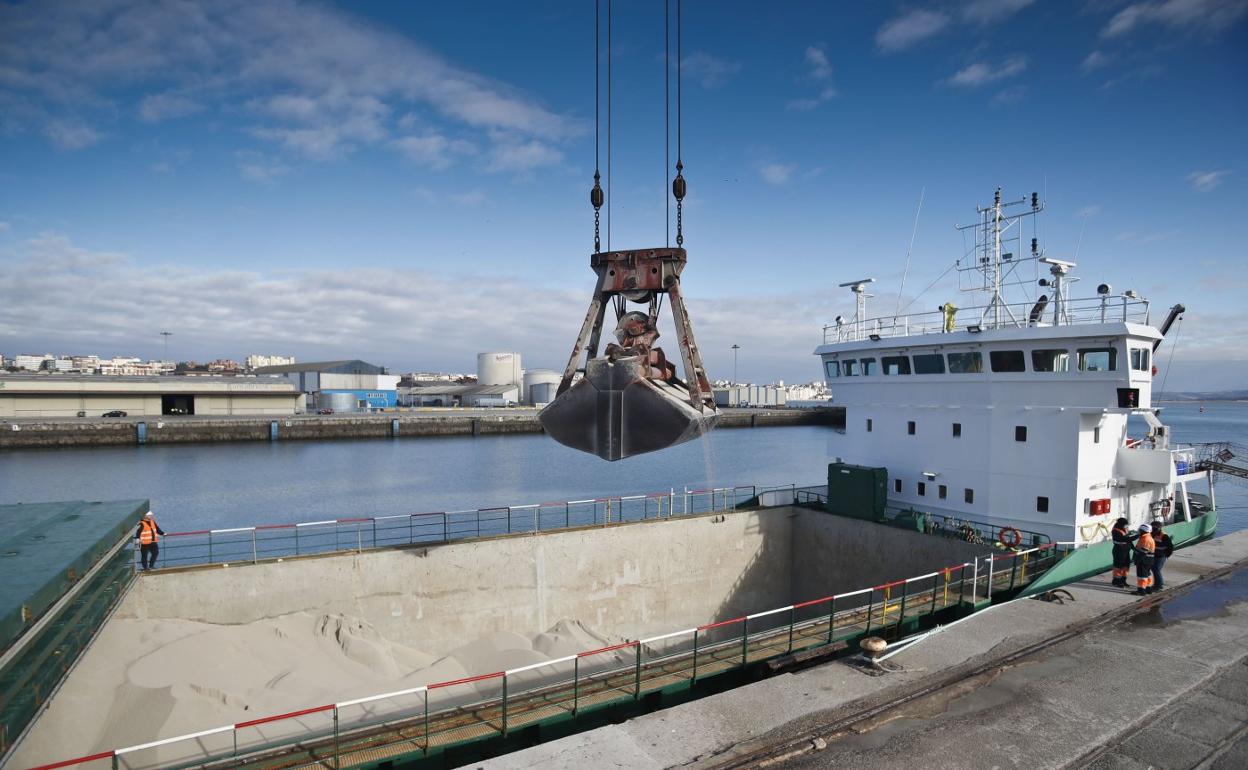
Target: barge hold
{"type": "Point", "coordinates": [677, 606]}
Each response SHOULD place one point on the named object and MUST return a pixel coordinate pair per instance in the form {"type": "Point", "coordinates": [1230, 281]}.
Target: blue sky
{"type": "Point", "coordinates": [408, 183]}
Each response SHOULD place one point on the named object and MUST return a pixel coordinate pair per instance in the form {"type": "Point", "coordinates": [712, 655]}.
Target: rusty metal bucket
{"type": "Point", "coordinates": [614, 412]}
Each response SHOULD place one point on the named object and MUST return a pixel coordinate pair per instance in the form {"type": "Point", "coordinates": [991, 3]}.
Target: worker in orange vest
{"type": "Point", "coordinates": [148, 535]}
{"type": "Point", "coordinates": [1145, 552]}
{"type": "Point", "coordinates": [1122, 537]}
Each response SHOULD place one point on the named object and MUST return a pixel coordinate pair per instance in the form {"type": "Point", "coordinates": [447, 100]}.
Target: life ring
{"type": "Point", "coordinates": [1010, 537]}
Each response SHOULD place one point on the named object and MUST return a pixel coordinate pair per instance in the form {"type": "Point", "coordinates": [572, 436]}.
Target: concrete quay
{"type": "Point", "coordinates": [32, 433]}
{"type": "Point", "coordinates": [1103, 679]}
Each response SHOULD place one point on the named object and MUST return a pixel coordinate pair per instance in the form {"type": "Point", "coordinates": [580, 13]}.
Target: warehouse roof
{"type": "Point", "coordinates": [346, 366]}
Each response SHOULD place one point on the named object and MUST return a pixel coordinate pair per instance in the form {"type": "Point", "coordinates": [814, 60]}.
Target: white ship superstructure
{"type": "Point", "coordinates": [1010, 413]}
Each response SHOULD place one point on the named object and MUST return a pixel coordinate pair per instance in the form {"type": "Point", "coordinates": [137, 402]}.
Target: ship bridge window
{"type": "Point", "coordinates": [1098, 360]}
{"type": "Point", "coordinates": [832, 369]}
{"type": "Point", "coordinates": [1139, 359]}
{"type": "Point", "coordinates": [849, 368]}
{"type": "Point", "coordinates": [1050, 360]}
{"type": "Point", "coordinates": [896, 364]}
{"type": "Point", "coordinates": [867, 366]}
{"type": "Point", "coordinates": [966, 363]}
{"type": "Point", "coordinates": [1008, 361]}
{"type": "Point", "coordinates": [929, 363]}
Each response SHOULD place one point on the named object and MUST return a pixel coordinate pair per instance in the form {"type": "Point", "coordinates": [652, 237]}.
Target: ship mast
{"type": "Point", "coordinates": [994, 229]}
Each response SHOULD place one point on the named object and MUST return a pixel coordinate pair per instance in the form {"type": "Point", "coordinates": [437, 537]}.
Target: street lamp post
{"type": "Point", "coordinates": [166, 335]}
{"type": "Point", "coordinates": [735, 348]}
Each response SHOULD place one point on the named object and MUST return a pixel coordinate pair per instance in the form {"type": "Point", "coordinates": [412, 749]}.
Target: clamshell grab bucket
{"type": "Point", "coordinates": [614, 412]}
{"type": "Point", "coordinates": [629, 400]}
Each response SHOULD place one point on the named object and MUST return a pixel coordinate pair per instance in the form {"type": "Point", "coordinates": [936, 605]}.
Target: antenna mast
{"type": "Point", "coordinates": [994, 230]}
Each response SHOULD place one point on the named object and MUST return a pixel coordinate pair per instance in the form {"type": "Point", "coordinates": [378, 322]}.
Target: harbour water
{"type": "Point", "coordinates": [228, 485]}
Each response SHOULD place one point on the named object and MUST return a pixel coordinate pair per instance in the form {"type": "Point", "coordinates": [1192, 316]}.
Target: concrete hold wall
{"type": "Point", "coordinates": [834, 554]}
{"type": "Point", "coordinates": [628, 580]}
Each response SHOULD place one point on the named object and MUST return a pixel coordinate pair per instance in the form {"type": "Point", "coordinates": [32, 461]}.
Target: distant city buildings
{"type": "Point", "coordinates": [131, 366]}
{"type": "Point", "coordinates": [255, 361]}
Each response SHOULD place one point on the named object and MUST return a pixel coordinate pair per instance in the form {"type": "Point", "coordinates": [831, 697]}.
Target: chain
{"type": "Point", "coordinates": [678, 184]}
{"type": "Point", "coordinates": [595, 195]}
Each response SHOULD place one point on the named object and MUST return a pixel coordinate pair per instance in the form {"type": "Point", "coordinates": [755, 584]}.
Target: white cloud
{"type": "Point", "coordinates": [817, 60]}
{"type": "Point", "coordinates": [257, 167]}
{"type": "Point", "coordinates": [910, 28]}
{"type": "Point", "coordinates": [158, 107]}
{"type": "Point", "coordinates": [1204, 181]}
{"type": "Point", "coordinates": [372, 313]}
{"type": "Point", "coordinates": [321, 80]}
{"type": "Point", "coordinates": [982, 73]}
{"type": "Point", "coordinates": [1095, 60]}
{"type": "Point", "coordinates": [375, 314]}
{"type": "Point", "coordinates": [984, 12]}
{"type": "Point", "coordinates": [512, 154]}
{"type": "Point", "coordinates": [710, 71]}
{"type": "Point", "coordinates": [1008, 96]}
{"type": "Point", "coordinates": [1204, 15]}
{"type": "Point", "coordinates": [71, 134]}
{"type": "Point", "coordinates": [433, 150]}
{"type": "Point", "coordinates": [819, 70]}
{"type": "Point", "coordinates": [776, 173]}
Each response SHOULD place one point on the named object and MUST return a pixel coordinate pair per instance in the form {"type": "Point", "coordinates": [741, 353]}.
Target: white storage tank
{"type": "Point", "coordinates": [540, 386]}
{"type": "Point", "coordinates": [499, 369]}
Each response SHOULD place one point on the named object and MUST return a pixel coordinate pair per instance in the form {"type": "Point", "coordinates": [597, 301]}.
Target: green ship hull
{"type": "Point", "coordinates": [1083, 563]}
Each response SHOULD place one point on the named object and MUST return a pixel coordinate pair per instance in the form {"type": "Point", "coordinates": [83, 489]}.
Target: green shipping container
{"type": "Point", "coordinates": [857, 491]}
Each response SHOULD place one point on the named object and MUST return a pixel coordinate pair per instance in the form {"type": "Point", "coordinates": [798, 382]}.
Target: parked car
{"type": "Point", "coordinates": [326, 410]}
{"type": "Point", "coordinates": [115, 413]}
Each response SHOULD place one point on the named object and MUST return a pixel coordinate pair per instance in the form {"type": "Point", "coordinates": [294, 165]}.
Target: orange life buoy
{"type": "Point", "coordinates": [1010, 537]}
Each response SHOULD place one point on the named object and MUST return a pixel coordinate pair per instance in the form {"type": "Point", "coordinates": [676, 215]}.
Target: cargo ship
{"type": "Point", "coordinates": [1019, 415]}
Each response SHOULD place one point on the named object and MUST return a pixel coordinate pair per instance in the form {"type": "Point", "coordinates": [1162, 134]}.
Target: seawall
{"type": "Point", "coordinates": [71, 432]}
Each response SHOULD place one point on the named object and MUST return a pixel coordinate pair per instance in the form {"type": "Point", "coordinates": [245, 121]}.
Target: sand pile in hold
{"type": "Point", "coordinates": [155, 679]}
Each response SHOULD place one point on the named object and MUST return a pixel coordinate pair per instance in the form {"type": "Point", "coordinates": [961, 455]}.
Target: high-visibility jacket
{"type": "Point", "coordinates": [1145, 545]}
{"type": "Point", "coordinates": [148, 532]}
{"type": "Point", "coordinates": [1165, 545]}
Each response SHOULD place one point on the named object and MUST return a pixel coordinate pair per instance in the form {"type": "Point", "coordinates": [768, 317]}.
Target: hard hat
{"type": "Point", "coordinates": [1145, 528]}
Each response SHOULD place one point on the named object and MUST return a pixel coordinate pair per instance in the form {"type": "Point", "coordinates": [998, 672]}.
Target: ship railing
{"type": "Point", "coordinates": [956, 527]}
{"type": "Point", "coordinates": [262, 542]}
{"type": "Point", "coordinates": [425, 718]}
{"type": "Point", "coordinates": [1089, 310]}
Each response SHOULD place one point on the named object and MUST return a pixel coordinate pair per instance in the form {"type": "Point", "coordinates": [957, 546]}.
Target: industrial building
{"type": "Point", "coordinates": [78, 395]}
{"type": "Point", "coordinates": [751, 395]}
{"type": "Point", "coordinates": [501, 381]}
{"type": "Point", "coordinates": [450, 394]}
{"type": "Point", "coordinates": [344, 386]}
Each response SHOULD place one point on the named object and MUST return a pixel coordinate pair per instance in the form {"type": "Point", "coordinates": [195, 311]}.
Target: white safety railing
{"type": "Point", "coordinates": [1090, 310]}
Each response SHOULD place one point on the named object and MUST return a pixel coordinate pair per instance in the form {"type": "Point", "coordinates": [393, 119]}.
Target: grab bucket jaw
{"type": "Point", "coordinates": [614, 412]}
{"type": "Point", "coordinates": [630, 401]}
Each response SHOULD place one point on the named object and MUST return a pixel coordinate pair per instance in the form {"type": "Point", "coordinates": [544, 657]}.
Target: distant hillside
{"type": "Point", "coordinates": [1217, 395]}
